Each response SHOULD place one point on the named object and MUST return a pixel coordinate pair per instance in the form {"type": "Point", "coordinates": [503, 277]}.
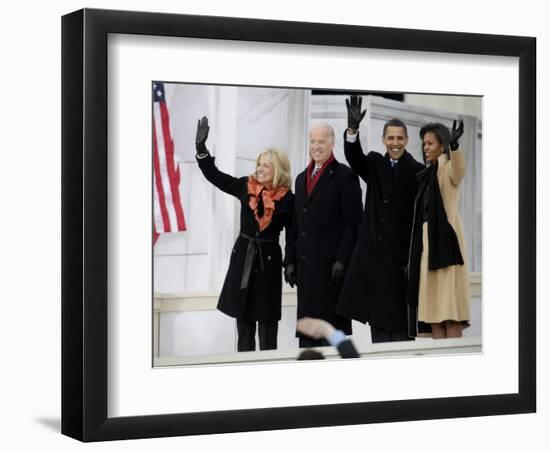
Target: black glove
{"type": "Point", "coordinates": [202, 135]}
{"type": "Point", "coordinates": [455, 134]}
{"type": "Point", "coordinates": [290, 275]}
{"type": "Point", "coordinates": [355, 116]}
{"type": "Point", "coordinates": [338, 272]}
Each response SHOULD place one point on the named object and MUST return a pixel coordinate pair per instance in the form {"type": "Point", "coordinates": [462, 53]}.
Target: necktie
{"type": "Point", "coordinates": [392, 166]}
{"type": "Point", "coordinates": [314, 172]}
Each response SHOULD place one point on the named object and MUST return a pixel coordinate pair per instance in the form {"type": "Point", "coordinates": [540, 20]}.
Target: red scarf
{"type": "Point", "coordinates": [269, 196]}
{"type": "Point", "coordinates": [311, 182]}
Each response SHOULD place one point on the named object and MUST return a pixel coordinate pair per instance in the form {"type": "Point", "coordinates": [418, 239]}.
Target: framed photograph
{"type": "Point", "coordinates": [127, 369]}
{"type": "Point", "coordinates": [198, 226]}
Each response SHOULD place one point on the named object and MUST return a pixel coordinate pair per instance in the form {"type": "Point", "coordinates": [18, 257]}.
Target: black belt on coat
{"type": "Point", "coordinates": [254, 243]}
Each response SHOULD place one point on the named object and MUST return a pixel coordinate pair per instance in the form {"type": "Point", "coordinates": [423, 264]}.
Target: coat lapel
{"type": "Point", "coordinates": [386, 181]}
{"type": "Point", "coordinates": [327, 174]}
{"type": "Point", "coordinates": [303, 185]}
{"type": "Point", "coordinates": [300, 189]}
{"type": "Point", "coordinates": [401, 171]}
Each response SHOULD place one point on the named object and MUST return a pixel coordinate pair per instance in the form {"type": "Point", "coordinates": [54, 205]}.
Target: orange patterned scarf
{"type": "Point", "coordinates": [268, 197]}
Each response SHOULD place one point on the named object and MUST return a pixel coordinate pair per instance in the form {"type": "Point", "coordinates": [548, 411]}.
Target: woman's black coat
{"type": "Point", "coordinates": [261, 299]}
{"type": "Point", "coordinates": [375, 287]}
{"type": "Point", "coordinates": [326, 225]}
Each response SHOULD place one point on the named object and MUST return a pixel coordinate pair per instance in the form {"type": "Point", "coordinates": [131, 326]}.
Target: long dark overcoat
{"type": "Point", "coordinates": [375, 287]}
{"type": "Point", "coordinates": [326, 228]}
{"type": "Point", "coordinates": [260, 300]}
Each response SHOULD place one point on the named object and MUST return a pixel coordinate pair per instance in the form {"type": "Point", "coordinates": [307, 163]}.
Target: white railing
{"type": "Point", "coordinates": [206, 301]}
{"type": "Point", "coordinates": [202, 306]}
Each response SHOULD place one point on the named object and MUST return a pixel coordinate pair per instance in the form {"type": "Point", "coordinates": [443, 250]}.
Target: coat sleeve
{"type": "Point", "coordinates": [290, 233]}
{"type": "Point", "coordinates": [358, 161]}
{"type": "Point", "coordinates": [352, 210]}
{"type": "Point", "coordinates": [457, 167]}
{"type": "Point", "coordinates": [227, 183]}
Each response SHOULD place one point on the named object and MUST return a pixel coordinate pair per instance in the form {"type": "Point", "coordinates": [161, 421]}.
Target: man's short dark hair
{"type": "Point", "coordinates": [395, 123]}
{"type": "Point", "coordinates": [310, 354]}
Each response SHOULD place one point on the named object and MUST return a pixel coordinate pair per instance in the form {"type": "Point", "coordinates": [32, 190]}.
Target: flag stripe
{"type": "Point", "coordinates": [157, 218]}
{"type": "Point", "coordinates": [173, 169]}
{"type": "Point", "coordinates": [155, 234]}
{"type": "Point", "coordinates": [164, 226]}
{"type": "Point", "coordinates": [168, 209]}
{"type": "Point", "coordinates": [163, 167]}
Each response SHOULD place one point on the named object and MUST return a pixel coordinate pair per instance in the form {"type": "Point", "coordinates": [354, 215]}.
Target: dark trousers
{"type": "Point", "coordinates": [380, 335]}
{"type": "Point", "coordinates": [307, 342]}
{"type": "Point", "coordinates": [267, 335]}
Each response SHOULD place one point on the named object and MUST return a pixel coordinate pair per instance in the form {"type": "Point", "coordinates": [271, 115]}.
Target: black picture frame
{"type": "Point", "coordinates": [84, 224]}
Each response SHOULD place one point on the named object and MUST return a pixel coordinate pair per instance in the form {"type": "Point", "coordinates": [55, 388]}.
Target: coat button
{"type": "Point", "coordinates": [386, 201]}
{"type": "Point", "coordinates": [303, 233]}
{"type": "Point", "coordinates": [381, 219]}
{"type": "Point", "coordinates": [302, 257]}
{"type": "Point", "coordinates": [257, 233]}
{"type": "Point", "coordinates": [269, 257]}
{"type": "Point", "coordinates": [379, 239]}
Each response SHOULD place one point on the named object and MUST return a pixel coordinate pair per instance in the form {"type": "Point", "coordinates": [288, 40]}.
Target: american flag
{"type": "Point", "coordinates": [168, 210]}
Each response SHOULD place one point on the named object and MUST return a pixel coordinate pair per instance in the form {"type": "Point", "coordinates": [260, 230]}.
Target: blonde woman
{"type": "Point", "coordinates": [439, 289]}
{"type": "Point", "coordinates": [252, 288]}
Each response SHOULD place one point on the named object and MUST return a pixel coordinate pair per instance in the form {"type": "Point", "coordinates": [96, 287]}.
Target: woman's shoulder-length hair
{"type": "Point", "coordinates": [281, 166]}
{"type": "Point", "coordinates": [441, 132]}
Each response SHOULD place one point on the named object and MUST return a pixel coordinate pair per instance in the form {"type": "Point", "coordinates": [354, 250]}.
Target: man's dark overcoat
{"type": "Point", "coordinates": [375, 287]}
{"type": "Point", "coordinates": [261, 299]}
{"type": "Point", "coordinates": [326, 225]}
